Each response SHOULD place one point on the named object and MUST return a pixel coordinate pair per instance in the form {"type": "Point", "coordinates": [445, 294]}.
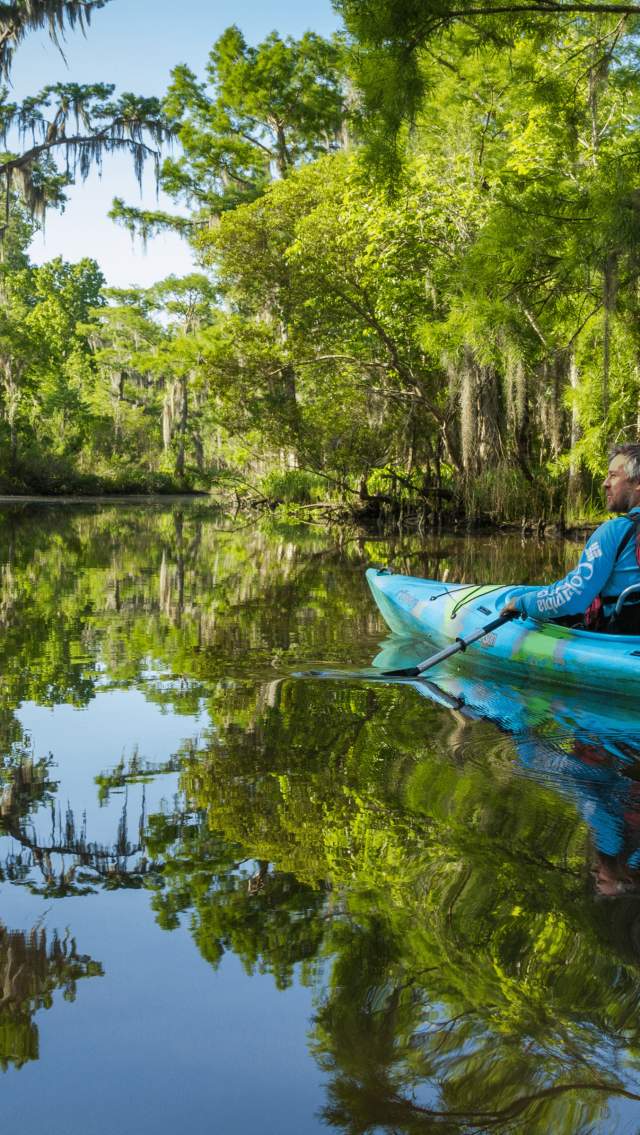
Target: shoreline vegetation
{"type": "Point", "coordinates": [417, 294]}
{"type": "Point", "coordinates": [325, 514]}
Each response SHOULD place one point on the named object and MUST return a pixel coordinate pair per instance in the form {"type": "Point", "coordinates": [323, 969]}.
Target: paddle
{"type": "Point", "coordinates": [458, 645]}
{"type": "Point", "coordinates": [452, 701]}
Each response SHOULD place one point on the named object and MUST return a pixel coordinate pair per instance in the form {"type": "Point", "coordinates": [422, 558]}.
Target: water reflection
{"type": "Point", "coordinates": [586, 748]}
{"type": "Point", "coordinates": [33, 964]}
{"type": "Point", "coordinates": [468, 965]}
{"type": "Point", "coordinates": [32, 969]}
{"type": "Point", "coordinates": [453, 869]}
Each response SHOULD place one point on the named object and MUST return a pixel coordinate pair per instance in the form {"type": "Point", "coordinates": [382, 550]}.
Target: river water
{"type": "Point", "coordinates": [245, 890]}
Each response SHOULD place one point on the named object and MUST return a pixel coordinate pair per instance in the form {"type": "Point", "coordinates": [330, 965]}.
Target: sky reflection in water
{"type": "Point", "coordinates": [246, 901]}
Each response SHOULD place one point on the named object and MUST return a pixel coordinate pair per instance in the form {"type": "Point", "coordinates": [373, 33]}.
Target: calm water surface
{"type": "Point", "coordinates": [245, 891]}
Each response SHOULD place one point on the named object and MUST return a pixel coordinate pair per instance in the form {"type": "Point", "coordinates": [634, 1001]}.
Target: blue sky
{"type": "Point", "coordinates": [135, 44]}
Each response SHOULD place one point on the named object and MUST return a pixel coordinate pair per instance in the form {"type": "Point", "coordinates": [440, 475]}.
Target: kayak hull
{"type": "Point", "coordinates": [528, 649]}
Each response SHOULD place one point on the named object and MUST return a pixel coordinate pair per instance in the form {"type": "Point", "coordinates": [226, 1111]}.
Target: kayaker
{"type": "Point", "coordinates": [609, 563]}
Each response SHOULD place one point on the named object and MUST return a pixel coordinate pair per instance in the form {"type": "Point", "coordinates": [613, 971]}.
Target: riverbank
{"type": "Point", "coordinates": [103, 498]}
{"type": "Point", "coordinates": [328, 514]}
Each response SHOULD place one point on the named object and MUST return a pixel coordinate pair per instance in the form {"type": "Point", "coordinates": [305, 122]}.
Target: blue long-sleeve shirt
{"type": "Point", "coordinates": [597, 573]}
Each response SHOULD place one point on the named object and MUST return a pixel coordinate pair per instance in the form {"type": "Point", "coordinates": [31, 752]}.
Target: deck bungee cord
{"type": "Point", "coordinates": [477, 592]}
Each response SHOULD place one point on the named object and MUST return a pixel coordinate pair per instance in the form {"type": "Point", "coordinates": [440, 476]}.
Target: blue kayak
{"type": "Point", "coordinates": [443, 612]}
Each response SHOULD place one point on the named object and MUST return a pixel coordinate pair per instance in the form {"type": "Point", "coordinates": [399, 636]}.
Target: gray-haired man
{"type": "Point", "coordinates": [609, 563]}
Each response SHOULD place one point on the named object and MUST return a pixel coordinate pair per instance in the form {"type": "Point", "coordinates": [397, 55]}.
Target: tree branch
{"type": "Point", "coordinates": [102, 137]}
{"type": "Point", "coordinates": [543, 8]}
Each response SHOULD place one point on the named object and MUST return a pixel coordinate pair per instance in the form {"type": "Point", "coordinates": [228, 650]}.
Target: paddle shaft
{"type": "Point", "coordinates": [455, 648]}
{"type": "Point", "coordinates": [461, 644]}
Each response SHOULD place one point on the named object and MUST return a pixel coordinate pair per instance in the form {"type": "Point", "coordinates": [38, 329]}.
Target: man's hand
{"type": "Point", "coordinates": [512, 607]}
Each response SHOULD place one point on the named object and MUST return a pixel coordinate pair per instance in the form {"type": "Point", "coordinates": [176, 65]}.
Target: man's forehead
{"type": "Point", "coordinates": [617, 463]}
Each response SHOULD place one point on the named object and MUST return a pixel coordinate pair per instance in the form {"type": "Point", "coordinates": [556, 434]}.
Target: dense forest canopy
{"type": "Point", "coordinates": [417, 280]}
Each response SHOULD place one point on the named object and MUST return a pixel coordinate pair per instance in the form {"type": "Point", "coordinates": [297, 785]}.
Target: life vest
{"type": "Point", "coordinates": [628, 621]}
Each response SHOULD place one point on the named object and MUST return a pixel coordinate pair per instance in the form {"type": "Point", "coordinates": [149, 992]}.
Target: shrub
{"type": "Point", "coordinates": [505, 494]}
{"type": "Point", "coordinates": [292, 486]}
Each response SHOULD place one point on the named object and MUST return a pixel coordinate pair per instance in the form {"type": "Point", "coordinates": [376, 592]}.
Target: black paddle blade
{"type": "Point", "coordinates": [408, 672]}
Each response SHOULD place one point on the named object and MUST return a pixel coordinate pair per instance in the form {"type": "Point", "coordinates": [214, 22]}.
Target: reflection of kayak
{"type": "Point", "coordinates": [443, 612]}
{"type": "Point", "coordinates": [584, 746]}
{"type": "Point", "coordinates": [519, 708]}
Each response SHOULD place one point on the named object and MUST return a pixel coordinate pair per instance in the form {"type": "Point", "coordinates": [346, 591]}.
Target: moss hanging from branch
{"type": "Point", "coordinates": [21, 17]}
{"type": "Point", "coordinates": [76, 125]}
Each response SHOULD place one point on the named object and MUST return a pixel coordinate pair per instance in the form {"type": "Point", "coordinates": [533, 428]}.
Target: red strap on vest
{"type": "Point", "coordinates": [594, 615]}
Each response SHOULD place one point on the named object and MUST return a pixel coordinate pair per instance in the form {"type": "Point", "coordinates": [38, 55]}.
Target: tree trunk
{"type": "Point", "coordinates": [282, 153]}
{"type": "Point", "coordinates": [412, 439]}
{"type": "Point", "coordinates": [167, 419]}
{"type": "Point", "coordinates": [198, 448]}
{"type": "Point", "coordinates": [290, 392]}
{"type": "Point", "coordinates": [449, 444]}
{"type": "Point", "coordinates": [549, 389]}
{"type": "Point", "coordinates": [574, 467]}
{"type": "Point", "coordinates": [489, 439]}
{"type": "Point", "coordinates": [609, 296]}
{"type": "Point", "coordinates": [558, 379]}
{"type": "Point", "coordinates": [11, 395]}
{"type": "Point", "coordinates": [469, 415]}
{"type": "Point", "coordinates": [183, 404]}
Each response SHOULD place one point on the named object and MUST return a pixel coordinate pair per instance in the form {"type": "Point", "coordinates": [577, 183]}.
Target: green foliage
{"type": "Point", "coordinates": [32, 969]}
{"type": "Point", "coordinates": [260, 112]}
{"type": "Point", "coordinates": [475, 332]}
{"type": "Point", "coordinates": [505, 494]}
{"type": "Point", "coordinates": [400, 48]}
{"type": "Point", "coordinates": [321, 350]}
{"type": "Point", "coordinates": [42, 352]}
{"type": "Point", "coordinates": [459, 324]}
{"type": "Point", "coordinates": [101, 390]}
{"type": "Point", "coordinates": [292, 486]}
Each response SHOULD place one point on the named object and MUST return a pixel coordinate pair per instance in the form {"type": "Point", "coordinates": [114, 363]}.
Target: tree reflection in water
{"type": "Point", "coordinates": [453, 892]}
{"type": "Point", "coordinates": [33, 963]}
{"type": "Point", "coordinates": [474, 983]}
{"type": "Point", "coordinates": [32, 969]}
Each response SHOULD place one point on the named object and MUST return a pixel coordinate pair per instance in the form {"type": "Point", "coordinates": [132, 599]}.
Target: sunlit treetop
{"type": "Point", "coordinates": [259, 113]}
{"type": "Point", "coordinates": [392, 40]}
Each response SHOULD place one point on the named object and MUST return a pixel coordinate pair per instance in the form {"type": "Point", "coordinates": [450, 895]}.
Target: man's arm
{"type": "Point", "coordinates": [573, 594]}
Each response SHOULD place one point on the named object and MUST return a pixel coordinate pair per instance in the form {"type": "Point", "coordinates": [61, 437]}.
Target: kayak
{"type": "Point", "coordinates": [444, 612]}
